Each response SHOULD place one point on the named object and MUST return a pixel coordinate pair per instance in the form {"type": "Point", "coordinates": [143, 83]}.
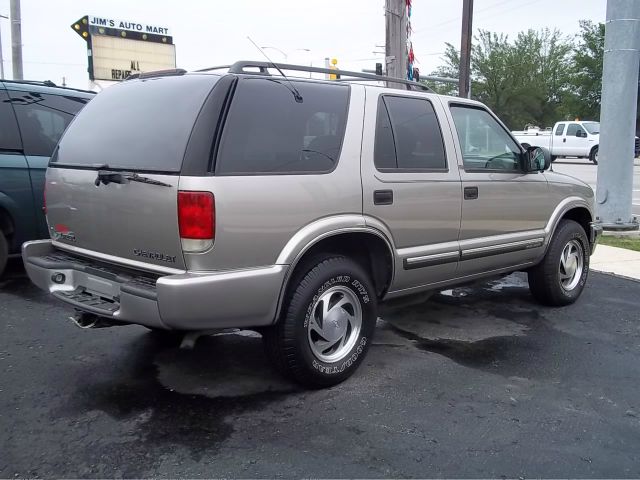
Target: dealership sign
{"type": "Point", "coordinates": [119, 48]}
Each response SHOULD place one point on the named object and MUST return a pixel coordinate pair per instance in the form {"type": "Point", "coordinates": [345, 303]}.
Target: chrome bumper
{"type": "Point", "coordinates": [595, 230]}
{"type": "Point", "coordinates": [188, 301]}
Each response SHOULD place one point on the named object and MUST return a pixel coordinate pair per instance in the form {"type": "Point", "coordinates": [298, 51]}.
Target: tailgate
{"type": "Point", "coordinates": [131, 221]}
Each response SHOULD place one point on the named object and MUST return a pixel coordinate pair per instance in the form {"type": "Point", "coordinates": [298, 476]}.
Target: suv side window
{"type": "Point", "coordinates": [484, 142]}
{"type": "Point", "coordinates": [268, 132]}
{"type": "Point", "coordinates": [560, 130]}
{"type": "Point", "coordinates": [408, 136]}
{"type": "Point", "coordinates": [9, 135]}
{"type": "Point", "coordinates": [43, 118]}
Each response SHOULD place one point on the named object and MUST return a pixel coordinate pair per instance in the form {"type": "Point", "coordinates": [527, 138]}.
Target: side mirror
{"type": "Point", "coordinates": [537, 159]}
{"type": "Point", "coordinates": [581, 134]}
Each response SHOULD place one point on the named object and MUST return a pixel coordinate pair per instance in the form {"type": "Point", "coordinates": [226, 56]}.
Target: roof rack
{"type": "Point", "coordinates": [239, 67]}
{"type": "Point", "coordinates": [45, 83]}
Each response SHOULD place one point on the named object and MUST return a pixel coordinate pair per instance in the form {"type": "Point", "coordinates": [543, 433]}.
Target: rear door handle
{"type": "Point", "coordinates": [383, 197]}
{"type": "Point", "coordinates": [470, 193]}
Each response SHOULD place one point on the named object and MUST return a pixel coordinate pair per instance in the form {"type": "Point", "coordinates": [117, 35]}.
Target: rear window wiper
{"type": "Point", "coordinates": [107, 177]}
{"type": "Point", "coordinates": [138, 178]}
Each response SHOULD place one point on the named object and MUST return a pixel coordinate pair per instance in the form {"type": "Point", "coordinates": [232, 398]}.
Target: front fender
{"type": "Point", "coordinates": [561, 209]}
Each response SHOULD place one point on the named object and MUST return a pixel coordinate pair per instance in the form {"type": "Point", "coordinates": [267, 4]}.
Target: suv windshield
{"type": "Point", "coordinates": [136, 125]}
{"type": "Point", "coordinates": [592, 127]}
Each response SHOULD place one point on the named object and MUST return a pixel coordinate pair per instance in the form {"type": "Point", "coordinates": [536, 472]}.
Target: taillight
{"type": "Point", "coordinates": [196, 220]}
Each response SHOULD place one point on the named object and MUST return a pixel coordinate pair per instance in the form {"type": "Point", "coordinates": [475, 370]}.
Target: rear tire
{"type": "Point", "coordinates": [561, 276]}
{"type": "Point", "coordinates": [4, 252]}
{"type": "Point", "coordinates": [593, 155]}
{"type": "Point", "coordinates": [327, 324]}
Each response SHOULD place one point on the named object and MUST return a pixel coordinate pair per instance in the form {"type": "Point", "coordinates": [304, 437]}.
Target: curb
{"type": "Point", "coordinates": [621, 233]}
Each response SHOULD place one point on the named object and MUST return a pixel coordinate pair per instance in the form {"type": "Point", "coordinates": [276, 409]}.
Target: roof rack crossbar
{"type": "Point", "coordinates": [240, 66]}
{"type": "Point", "coordinates": [46, 83]}
{"type": "Point", "coordinates": [157, 73]}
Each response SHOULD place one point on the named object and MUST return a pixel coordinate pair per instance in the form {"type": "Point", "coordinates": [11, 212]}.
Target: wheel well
{"type": "Point", "coordinates": [580, 215]}
{"type": "Point", "coordinates": [369, 250]}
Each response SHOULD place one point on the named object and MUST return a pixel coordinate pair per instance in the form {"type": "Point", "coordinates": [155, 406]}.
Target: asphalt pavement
{"type": "Point", "coordinates": [475, 382]}
{"type": "Point", "coordinates": [587, 172]}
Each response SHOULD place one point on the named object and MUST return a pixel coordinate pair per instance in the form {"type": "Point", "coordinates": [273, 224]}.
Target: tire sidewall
{"type": "Point", "coordinates": [568, 235]}
{"type": "Point", "coordinates": [351, 277]}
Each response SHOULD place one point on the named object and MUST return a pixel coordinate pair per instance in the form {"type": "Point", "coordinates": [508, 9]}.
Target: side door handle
{"type": "Point", "coordinates": [383, 197]}
{"type": "Point", "coordinates": [564, 140]}
{"type": "Point", "coordinates": [470, 193]}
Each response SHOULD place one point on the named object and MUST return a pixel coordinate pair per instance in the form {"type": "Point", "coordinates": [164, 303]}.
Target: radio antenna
{"type": "Point", "coordinates": [292, 88]}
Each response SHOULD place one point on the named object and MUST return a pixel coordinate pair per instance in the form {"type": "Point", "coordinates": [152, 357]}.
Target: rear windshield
{"type": "Point", "coordinates": [137, 125]}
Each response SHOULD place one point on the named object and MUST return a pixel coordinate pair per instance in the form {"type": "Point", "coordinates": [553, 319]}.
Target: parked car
{"type": "Point", "coordinates": [33, 116]}
{"type": "Point", "coordinates": [245, 200]}
{"type": "Point", "coordinates": [568, 139]}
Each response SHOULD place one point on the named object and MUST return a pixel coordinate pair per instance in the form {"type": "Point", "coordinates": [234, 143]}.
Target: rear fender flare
{"type": "Point", "coordinates": [311, 234]}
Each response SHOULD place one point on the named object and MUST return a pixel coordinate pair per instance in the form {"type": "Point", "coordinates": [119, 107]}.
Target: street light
{"type": "Point", "coordinates": [1, 58]}
{"type": "Point", "coordinates": [286, 57]}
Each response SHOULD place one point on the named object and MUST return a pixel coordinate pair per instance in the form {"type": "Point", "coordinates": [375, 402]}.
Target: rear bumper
{"type": "Point", "coordinates": [188, 301]}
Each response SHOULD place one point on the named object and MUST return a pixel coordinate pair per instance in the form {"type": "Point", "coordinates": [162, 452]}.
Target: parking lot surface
{"type": "Point", "coordinates": [475, 382]}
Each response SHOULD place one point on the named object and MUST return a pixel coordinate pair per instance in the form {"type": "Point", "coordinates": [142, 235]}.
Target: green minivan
{"type": "Point", "coordinates": [33, 116]}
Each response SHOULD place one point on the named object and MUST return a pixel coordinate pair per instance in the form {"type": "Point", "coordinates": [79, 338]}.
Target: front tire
{"type": "Point", "coordinates": [327, 324]}
{"type": "Point", "coordinates": [593, 155]}
{"type": "Point", "coordinates": [561, 276]}
{"type": "Point", "coordinates": [4, 252]}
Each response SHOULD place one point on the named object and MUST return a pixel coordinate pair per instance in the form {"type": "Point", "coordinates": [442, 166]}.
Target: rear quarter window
{"type": "Point", "coordinates": [268, 132]}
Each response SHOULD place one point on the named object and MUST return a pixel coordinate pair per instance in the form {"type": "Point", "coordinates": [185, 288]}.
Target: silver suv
{"type": "Point", "coordinates": [208, 201]}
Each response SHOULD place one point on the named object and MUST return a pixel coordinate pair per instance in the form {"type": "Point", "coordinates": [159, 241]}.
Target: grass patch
{"type": "Point", "coordinates": [630, 243]}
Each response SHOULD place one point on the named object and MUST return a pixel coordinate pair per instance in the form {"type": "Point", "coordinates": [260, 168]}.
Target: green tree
{"type": "Point", "coordinates": [524, 81]}
{"type": "Point", "coordinates": [586, 73]}
{"type": "Point", "coordinates": [449, 69]}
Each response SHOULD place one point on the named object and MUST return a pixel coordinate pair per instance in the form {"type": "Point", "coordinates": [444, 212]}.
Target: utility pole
{"type": "Point", "coordinates": [618, 115]}
{"type": "Point", "coordinates": [1, 57]}
{"type": "Point", "coordinates": [16, 39]}
{"type": "Point", "coordinates": [464, 85]}
{"type": "Point", "coordinates": [396, 39]}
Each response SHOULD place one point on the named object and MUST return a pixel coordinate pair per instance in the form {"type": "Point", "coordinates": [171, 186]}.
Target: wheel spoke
{"type": "Point", "coordinates": [342, 302]}
{"type": "Point", "coordinates": [325, 308]}
{"type": "Point", "coordinates": [324, 345]}
{"type": "Point", "coordinates": [313, 325]}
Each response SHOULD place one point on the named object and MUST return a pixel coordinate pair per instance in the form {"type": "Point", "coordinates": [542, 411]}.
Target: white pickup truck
{"type": "Point", "coordinates": [567, 139]}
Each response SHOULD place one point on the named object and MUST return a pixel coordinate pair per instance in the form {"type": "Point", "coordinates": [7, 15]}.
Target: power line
{"type": "Point", "coordinates": [452, 20]}
{"type": "Point", "coordinates": [438, 26]}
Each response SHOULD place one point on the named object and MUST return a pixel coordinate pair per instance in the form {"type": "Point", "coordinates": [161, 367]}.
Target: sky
{"type": "Point", "coordinates": [214, 32]}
